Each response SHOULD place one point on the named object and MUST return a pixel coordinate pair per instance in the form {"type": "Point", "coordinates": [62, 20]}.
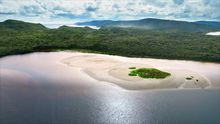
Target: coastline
{"type": "Point", "coordinates": [107, 53]}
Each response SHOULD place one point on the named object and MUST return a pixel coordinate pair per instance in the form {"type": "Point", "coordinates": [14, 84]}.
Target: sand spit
{"type": "Point", "coordinates": [115, 69]}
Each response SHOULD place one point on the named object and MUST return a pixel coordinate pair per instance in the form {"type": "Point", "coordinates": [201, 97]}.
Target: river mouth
{"type": "Point", "coordinates": [39, 88]}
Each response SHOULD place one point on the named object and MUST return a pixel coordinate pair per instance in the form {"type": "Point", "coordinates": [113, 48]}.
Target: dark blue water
{"type": "Point", "coordinates": [69, 105]}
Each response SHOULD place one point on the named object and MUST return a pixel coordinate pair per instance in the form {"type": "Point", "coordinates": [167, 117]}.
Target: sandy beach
{"type": "Point", "coordinates": [115, 69]}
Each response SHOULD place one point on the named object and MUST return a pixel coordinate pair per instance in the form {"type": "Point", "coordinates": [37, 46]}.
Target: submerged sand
{"type": "Point", "coordinates": [115, 69]}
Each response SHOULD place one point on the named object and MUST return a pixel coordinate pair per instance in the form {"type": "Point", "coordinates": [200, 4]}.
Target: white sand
{"type": "Point", "coordinates": [214, 33]}
{"type": "Point", "coordinates": [115, 69]}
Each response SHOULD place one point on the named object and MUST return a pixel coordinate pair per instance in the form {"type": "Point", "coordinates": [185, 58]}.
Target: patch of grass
{"type": "Point", "coordinates": [149, 73]}
{"type": "Point", "coordinates": [189, 78]}
{"type": "Point", "coordinates": [132, 68]}
{"type": "Point", "coordinates": [132, 74]}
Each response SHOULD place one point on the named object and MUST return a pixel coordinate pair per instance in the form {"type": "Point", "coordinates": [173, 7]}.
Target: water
{"type": "Point", "coordinates": [47, 92]}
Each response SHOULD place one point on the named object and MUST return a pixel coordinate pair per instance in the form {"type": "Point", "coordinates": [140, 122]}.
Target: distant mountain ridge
{"type": "Point", "coordinates": [211, 23]}
{"type": "Point", "coordinates": [96, 23]}
{"type": "Point", "coordinates": [153, 23]}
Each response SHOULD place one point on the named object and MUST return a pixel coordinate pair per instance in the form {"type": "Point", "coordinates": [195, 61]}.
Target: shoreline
{"type": "Point", "coordinates": [105, 53]}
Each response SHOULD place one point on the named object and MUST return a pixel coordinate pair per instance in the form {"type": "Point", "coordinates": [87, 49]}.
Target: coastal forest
{"type": "Point", "coordinates": [17, 37]}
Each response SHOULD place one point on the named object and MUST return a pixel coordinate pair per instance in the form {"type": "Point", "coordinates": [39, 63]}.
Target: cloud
{"type": "Point", "coordinates": [6, 13]}
{"type": "Point", "coordinates": [91, 9]}
{"type": "Point", "coordinates": [53, 11]}
{"type": "Point", "coordinates": [179, 2]}
{"type": "Point", "coordinates": [31, 10]}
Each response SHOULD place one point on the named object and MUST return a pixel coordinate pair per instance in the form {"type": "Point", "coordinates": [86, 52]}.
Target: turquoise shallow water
{"type": "Point", "coordinates": [43, 100]}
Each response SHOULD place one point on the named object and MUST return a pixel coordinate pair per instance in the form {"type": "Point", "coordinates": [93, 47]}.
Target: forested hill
{"type": "Point", "coordinates": [17, 37]}
{"type": "Point", "coordinates": [152, 23]}
{"type": "Point", "coordinates": [20, 25]}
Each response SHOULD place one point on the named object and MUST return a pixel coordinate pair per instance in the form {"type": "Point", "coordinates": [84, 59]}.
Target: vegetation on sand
{"type": "Point", "coordinates": [149, 73]}
{"type": "Point", "coordinates": [132, 67]}
{"type": "Point", "coordinates": [189, 78]}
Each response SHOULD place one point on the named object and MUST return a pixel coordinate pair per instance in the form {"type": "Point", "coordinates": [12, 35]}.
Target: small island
{"type": "Point", "coordinates": [148, 73]}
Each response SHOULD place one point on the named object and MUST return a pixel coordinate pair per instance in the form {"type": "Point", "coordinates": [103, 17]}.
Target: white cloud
{"type": "Point", "coordinates": [69, 11]}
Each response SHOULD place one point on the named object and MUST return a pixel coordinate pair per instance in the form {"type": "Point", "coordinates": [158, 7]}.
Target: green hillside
{"type": "Point", "coordinates": [20, 25]}
{"type": "Point", "coordinates": [21, 37]}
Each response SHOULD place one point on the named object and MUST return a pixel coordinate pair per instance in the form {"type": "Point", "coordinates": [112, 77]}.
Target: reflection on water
{"type": "Point", "coordinates": [69, 105]}
{"type": "Point", "coordinates": [60, 95]}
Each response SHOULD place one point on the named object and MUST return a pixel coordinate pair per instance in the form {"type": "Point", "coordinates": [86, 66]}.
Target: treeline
{"type": "Point", "coordinates": [111, 40]}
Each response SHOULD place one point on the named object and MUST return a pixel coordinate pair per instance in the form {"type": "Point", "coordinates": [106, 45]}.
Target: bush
{"type": "Point", "coordinates": [149, 73]}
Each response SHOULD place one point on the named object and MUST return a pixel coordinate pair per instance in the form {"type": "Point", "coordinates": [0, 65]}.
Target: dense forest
{"type": "Point", "coordinates": [18, 37]}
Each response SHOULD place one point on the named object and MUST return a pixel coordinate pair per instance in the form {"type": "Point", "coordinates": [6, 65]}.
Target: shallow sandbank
{"type": "Point", "coordinates": [115, 69]}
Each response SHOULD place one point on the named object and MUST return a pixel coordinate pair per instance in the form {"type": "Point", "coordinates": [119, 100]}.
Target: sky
{"type": "Point", "coordinates": [71, 11]}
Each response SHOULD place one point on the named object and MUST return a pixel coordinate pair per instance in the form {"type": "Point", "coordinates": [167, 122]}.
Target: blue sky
{"type": "Point", "coordinates": [70, 11]}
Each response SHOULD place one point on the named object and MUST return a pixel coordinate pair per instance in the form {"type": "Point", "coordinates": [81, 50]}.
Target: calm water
{"type": "Point", "coordinates": [36, 89]}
